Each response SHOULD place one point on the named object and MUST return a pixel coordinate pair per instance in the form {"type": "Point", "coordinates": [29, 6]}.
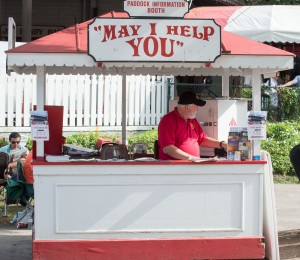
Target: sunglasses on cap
{"type": "Point", "coordinates": [15, 142]}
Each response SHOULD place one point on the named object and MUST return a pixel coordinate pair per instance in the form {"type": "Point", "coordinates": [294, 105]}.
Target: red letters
{"type": "Point", "coordinates": [153, 28]}
{"type": "Point", "coordinates": [110, 32]}
{"type": "Point", "coordinates": [151, 45]}
{"type": "Point", "coordinates": [191, 31]}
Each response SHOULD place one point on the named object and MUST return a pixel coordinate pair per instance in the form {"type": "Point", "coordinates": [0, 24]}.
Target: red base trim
{"type": "Point", "coordinates": [150, 249]}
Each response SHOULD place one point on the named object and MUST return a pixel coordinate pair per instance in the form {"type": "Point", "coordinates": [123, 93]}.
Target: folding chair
{"type": "Point", "coordinates": [139, 150]}
{"type": "Point", "coordinates": [114, 151]}
{"type": "Point", "coordinates": [4, 160]}
{"type": "Point", "coordinates": [22, 191]}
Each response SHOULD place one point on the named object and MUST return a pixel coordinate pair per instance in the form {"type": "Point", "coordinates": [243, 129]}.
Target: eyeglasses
{"type": "Point", "coordinates": [15, 142]}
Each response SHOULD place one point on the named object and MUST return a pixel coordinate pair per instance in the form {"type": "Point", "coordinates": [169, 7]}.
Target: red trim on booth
{"type": "Point", "coordinates": [152, 163]}
{"type": "Point", "coordinates": [151, 249]}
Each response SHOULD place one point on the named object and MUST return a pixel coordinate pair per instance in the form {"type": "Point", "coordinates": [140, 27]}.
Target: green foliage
{"type": "Point", "coordinates": [246, 92]}
{"type": "Point", "coordinates": [87, 140]}
{"type": "Point", "coordinates": [29, 144]}
{"type": "Point", "coordinates": [3, 141]}
{"type": "Point", "coordinates": [285, 179]}
{"type": "Point", "coordinates": [289, 103]}
{"type": "Point", "coordinates": [281, 138]}
{"type": "Point", "coordinates": [147, 137]}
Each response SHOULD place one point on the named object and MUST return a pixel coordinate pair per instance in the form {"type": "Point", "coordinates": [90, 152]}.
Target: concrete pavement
{"type": "Point", "coordinates": [287, 198]}
{"type": "Point", "coordinates": [16, 243]}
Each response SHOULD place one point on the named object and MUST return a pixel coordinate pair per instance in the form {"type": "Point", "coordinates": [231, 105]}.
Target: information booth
{"type": "Point", "coordinates": [150, 210]}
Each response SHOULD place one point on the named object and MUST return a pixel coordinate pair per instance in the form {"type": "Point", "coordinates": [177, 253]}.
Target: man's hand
{"type": "Point", "coordinates": [193, 158]}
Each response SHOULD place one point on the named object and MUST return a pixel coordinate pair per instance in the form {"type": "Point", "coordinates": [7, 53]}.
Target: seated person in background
{"type": "Point", "coordinates": [15, 151]}
{"type": "Point", "coordinates": [295, 159]}
{"type": "Point", "coordinates": [179, 133]}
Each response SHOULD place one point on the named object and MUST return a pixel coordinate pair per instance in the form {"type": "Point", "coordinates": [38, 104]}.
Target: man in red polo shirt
{"type": "Point", "coordinates": [179, 133]}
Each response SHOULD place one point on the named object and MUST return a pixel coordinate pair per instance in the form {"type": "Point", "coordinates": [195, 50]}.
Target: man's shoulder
{"type": "Point", "coordinates": [4, 149]}
{"type": "Point", "coordinates": [168, 119]}
{"type": "Point", "coordinates": [169, 115]}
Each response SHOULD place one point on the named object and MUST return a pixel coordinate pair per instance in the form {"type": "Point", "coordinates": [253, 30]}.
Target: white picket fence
{"type": "Point", "coordinates": [91, 103]}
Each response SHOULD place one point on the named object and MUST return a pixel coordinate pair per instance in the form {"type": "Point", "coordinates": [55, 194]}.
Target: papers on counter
{"type": "Point", "coordinates": [200, 160]}
{"type": "Point", "coordinates": [145, 159]}
{"type": "Point", "coordinates": [57, 158]}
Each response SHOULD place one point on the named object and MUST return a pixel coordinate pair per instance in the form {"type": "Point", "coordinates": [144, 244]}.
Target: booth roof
{"type": "Point", "coordinates": [60, 50]}
{"type": "Point", "coordinates": [263, 23]}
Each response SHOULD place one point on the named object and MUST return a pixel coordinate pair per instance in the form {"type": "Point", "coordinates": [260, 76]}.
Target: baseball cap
{"type": "Point", "coordinates": [190, 97]}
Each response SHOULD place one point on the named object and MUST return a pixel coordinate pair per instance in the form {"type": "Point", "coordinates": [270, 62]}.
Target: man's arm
{"type": "Point", "coordinates": [213, 143]}
{"type": "Point", "coordinates": [13, 165]}
{"type": "Point", "coordinates": [288, 84]}
{"type": "Point", "coordinates": [177, 153]}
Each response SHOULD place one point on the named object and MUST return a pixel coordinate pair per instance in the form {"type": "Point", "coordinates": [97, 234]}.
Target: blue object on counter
{"type": "Point", "coordinates": [256, 157]}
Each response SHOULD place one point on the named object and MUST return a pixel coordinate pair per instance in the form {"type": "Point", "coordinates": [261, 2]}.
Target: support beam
{"type": "Point", "coordinates": [225, 83]}
{"type": "Point", "coordinates": [26, 20]}
{"type": "Point", "coordinates": [256, 103]}
{"type": "Point", "coordinates": [124, 112]}
{"type": "Point", "coordinates": [256, 90]}
{"type": "Point", "coordinates": [40, 102]}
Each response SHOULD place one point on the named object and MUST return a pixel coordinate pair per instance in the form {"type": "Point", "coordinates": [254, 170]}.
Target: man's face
{"type": "Point", "coordinates": [14, 142]}
{"type": "Point", "coordinates": [191, 111]}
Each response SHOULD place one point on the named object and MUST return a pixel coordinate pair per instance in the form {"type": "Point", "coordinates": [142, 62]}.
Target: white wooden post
{"type": "Point", "coordinates": [40, 102]}
{"type": "Point", "coordinates": [11, 33]}
{"type": "Point", "coordinates": [256, 103]}
{"type": "Point", "coordinates": [119, 100]}
{"type": "Point", "coordinates": [153, 104]}
{"type": "Point", "coordinates": [124, 109]}
{"type": "Point", "coordinates": [148, 99]}
{"type": "Point", "coordinates": [225, 83]}
{"type": "Point", "coordinates": [3, 97]}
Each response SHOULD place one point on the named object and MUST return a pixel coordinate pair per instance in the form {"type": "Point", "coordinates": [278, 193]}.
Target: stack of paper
{"type": "Point", "coordinates": [57, 158]}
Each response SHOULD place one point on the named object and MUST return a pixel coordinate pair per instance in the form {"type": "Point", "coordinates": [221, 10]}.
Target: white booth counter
{"type": "Point", "coordinates": [122, 207]}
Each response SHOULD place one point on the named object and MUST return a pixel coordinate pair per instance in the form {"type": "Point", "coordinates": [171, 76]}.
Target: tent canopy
{"type": "Point", "coordinates": [263, 23]}
{"type": "Point", "coordinates": [66, 52]}
{"type": "Point", "coordinates": [60, 54]}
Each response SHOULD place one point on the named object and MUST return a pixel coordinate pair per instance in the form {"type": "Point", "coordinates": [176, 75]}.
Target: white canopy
{"type": "Point", "coordinates": [263, 23]}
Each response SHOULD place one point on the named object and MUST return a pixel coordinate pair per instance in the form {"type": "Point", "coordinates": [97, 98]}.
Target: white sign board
{"type": "Point", "coordinates": [39, 125]}
{"type": "Point", "coordinates": [169, 40]}
{"type": "Point", "coordinates": [257, 125]}
{"type": "Point", "coordinates": [156, 8]}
